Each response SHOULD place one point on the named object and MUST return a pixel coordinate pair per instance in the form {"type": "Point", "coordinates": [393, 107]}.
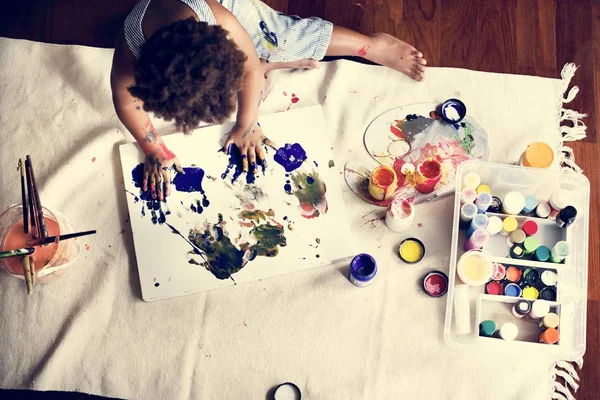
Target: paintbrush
{"type": "Point", "coordinates": [25, 251]}
{"type": "Point", "coordinates": [31, 200]}
{"type": "Point", "coordinates": [24, 198]}
{"type": "Point", "coordinates": [51, 239]}
{"type": "Point", "coordinates": [43, 232]}
{"type": "Point", "coordinates": [27, 274]}
{"type": "Point", "coordinates": [33, 272]}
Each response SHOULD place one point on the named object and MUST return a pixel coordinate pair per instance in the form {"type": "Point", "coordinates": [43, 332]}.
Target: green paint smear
{"type": "Point", "coordinates": [256, 215]}
{"type": "Point", "coordinates": [268, 237]}
{"type": "Point", "coordinates": [310, 195]}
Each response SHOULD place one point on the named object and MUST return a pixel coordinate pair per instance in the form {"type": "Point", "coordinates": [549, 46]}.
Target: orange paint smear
{"type": "Point", "coordinates": [383, 177]}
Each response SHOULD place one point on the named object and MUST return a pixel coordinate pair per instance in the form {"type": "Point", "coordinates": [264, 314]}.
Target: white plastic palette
{"type": "Point", "coordinates": [571, 288]}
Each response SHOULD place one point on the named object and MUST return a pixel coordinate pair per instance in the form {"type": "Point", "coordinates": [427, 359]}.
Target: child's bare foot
{"type": "Point", "coordinates": [306, 63]}
{"type": "Point", "coordinates": [394, 53]}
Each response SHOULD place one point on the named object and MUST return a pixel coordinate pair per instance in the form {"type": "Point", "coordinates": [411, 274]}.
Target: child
{"type": "Point", "coordinates": [200, 55]}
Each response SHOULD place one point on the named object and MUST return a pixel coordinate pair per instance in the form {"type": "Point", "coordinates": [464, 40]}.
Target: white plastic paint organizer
{"type": "Point", "coordinates": [571, 287]}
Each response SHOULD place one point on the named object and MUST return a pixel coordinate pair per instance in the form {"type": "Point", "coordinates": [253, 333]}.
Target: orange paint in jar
{"type": "Point", "coordinates": [16, 239]}
{"type": "Point", "coordinates": [383, 183]}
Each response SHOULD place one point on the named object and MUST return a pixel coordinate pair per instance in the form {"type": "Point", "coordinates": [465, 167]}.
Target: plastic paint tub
{"type": "Point", "coordinates": [513, 274]}
{"type": "Point", "coordinates": [427, 174]}
{"type": "Point", "coordinates": [498, 272]}
{"type": "Point", "coordinates": [530, 228]}
{"type": "Point", "coordinates": [516, 237]}
{"type": "Point", "coordinates": [550, 336]}
{"type": "Point", "coordinates": [467, 212]}
{"type": "Point", "coordinates": [531, 293]}
{"type": "Point", "coordinates": [477, 240]}
{"type": "Point", "coordinates": [548, 294]}
{"type": "Point", "coordinates": [411, 250]}
{"type": "Point", "coordinates": [521, 308]}
{"type": "Point", "coordinates": [566, 216]}
{"type": "Point", "coordinates": [487, 328]}
{"type": "Point", "coordinates": [479, 221]}
{"type": "Point", "coordinates": [496, 205]}
{"type": "Point", "coordinates": [494, 225]}
{"type": "Point", "coordinates": [531, 277]}
{"type": "Point", "coordinates": [542, 210]}
{"type": "Point", "coordinates": [559, 200]}
{"type": "Point", "coordinates": [549, 278]}
{"type": "Point", "coordinates": [383, 183]}
{"type": "Point", "coordinates": [399, 215]}
{"type": "Point", "coordinates": [484, 188]}
{"type": "Point", "coordinates": [494, 288]}
{"type": "Point", "coordinates": [530, 245]}
{"type": "Point", "coordinates": [541, 254]}
{"type": "Point", "coordinates": [474, 268]}
{"type": "Point", "coordinates": [517, 251]}
{"type": "Point", "coordinates": [509, 224]}
{"type": "Point", "coordinates": [559, 252]}
{"type": "Point", "coordinates": [468, 195]}
{"type": "Point", "coordinates": [453, 111]}
{"type": "Point", "coordinates": [551, 320]}
{"type": "Point", "coordinates": [435, 284]}
{"type": "Point", "coordinates": [539, 309]}
{"type": "Point", "coordinates": [513, 290]}
{"type": "Point", "coordinates": [471, 180]}
{"type": "Point", "coordinates": [513, 203]}
{"type": "Point", "coordinates": [363, 269]}
{"type": "Point", "coordinates": [287, 391]}
{"type": "Point", "coordinates": [483, 202]}
{"type": "Point", "coordinates": [537, 155]}
{"type": "Point", "coordinates": [508, 331]}
{"type": "Point", "coordinates": [530, 205]}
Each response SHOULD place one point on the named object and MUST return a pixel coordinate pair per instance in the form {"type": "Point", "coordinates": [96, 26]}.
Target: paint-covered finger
{"type": "Point", "coordinates": [252, 159]}
{"type": "Point", "coordinates": [166, 183]}
{"type": "Point", "coordinates": [245, 162]}
{"type": "Point", "coordinates": [178, 168]}
{"type": "Point", "coordinates": [153, 186]}
{"type": "Point", "coordinates": [260, 155]}
{"type": "Point", "coordinates": [268, 142]}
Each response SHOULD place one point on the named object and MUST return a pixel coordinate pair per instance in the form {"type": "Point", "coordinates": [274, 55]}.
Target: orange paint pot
{"type": "Point", "coordinates": [383, 183]}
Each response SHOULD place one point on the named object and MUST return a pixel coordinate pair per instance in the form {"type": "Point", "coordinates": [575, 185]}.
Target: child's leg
{"type": "Point", "coordinates": [306, 63]}
{"type": "Point", "coordinates": [380, 48]}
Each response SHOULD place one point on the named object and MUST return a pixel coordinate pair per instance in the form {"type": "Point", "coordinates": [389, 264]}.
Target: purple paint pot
{"type": "Point", "coordinates": [363, 269]}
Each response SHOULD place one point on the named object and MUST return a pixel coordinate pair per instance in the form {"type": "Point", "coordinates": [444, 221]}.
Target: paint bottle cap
{"type": "Point", "coordinates": [509, 331]}
{"type": "Point", "coordinates": [498, 272]}
{"type": "Point", "coordinates": [542, 210]}
{"type": "Point", "coordinates": [561, 248]}
{"type": "Point", "coordinates": [435, 283]}
{"type": "Point", "coordinates": [530, 228]}
{"type": "Point", "coordinates": [539, 309]}
{"type": "Point", "coordinates": [411, 250]}
{"type": "Point", "coordinates": [474, 268]}
{"type": "Point", "coordinates": [484, 188]}
{"type": "Point", "coordinates": [550, 336]}
{"type": "Point", "coordinates": [516, 237]}
{"type": "Point", "coordinates": [494, 225]}
{"type": "Point", "coordinates": [551, 320]}
{"type": "Point", "coordinates": [468, 195]}
{"type": "Point", "coordinates": [495, 205]}
{"type": "Point", "coordinates": [531, 293]}
{"type": "Point", "coordinates": [530, 244]}
{"type": "Point", "coordinates": [566, 216]}
{"type": "Point", "coordinates": [560, 199]}
{"type": "Point", "coordinates": [509, 224]}
{"type": "Point", "coordinates": [483, 201]}
{"type": "Point", "coordinates": [549, 278]}
{"type": "Point", "coordinates": [468, 211]}
{"type": "Point", "coordinates": [517, 251]}
{"type": "Point", "coordinates": [542, 253]}
{"type": "Point", "coordinates": [487, 328]}
{"type": "Point", "coordinates": [453, 111]}
{"type": "Point", "coordinates": [363, 269]}
{"type": "Point", "coordinates": [494, 287]}
{"type": "Point", "coordinates": [513, 203]}
{"type": "Point", "coordinates": [471, 180]}
{"type": "Point", "coordinates": [513, 274]}
{"type": "Point", "coordinates": [531, 276]}
{"type": "Point", "coordinates": [538, 155]}
{"type": "Point", "coordinates": [479, 221]}
{"type": "Point", "coordinates": [522, 307]}
{"type": "Point", "coordinates": [513, 290]}
{"type": "Point", "coordinates": [530, 204]}
{"type": "Point", "coordinates": [548, 294]}
{"type": "Point", "coordinates": [287, 391]}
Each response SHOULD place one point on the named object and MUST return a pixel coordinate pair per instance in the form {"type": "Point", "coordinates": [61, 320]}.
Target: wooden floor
{"type": "Point", "coordinates": [535, 37]}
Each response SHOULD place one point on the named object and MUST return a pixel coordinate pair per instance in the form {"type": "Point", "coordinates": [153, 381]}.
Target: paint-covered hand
{"type": "Point", "coordinates": [250, 140]}
{"type": "Point", "coordinates": [157, 176]}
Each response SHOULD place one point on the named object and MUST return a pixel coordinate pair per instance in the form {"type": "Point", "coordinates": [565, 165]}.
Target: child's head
{"type": "Point", "coordinates": [189, 71]}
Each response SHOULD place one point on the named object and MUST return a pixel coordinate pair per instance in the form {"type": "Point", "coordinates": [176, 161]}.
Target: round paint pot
{"type": "Point", "coordinates": [477, 240]}
{"type": "Point", "coordinates": [484, 188]}
{"type": "Point", "coordinates": [287, 391]}
{"type": "Point", "coordinates": [468, 195]}
{"type": "Point", "coordinates": [521, 308]}
{"type": "Point", "coordinates": [471, 180]}
{"type": "Point", "coordinates": [494, 287]}
{"type": "Point", "coordinates": [539, 309]}
{"type": "Point", "coordinates": [363, 269]}
{"type": "Point", "coordinates": [542, 210]}
{"type": "Point", "coordinates": [513, 274]}
{"type": "Point", "coordinates": [478, 221]}
{"type": "Point", "coordinates": [487, 328]}
{"type": "Point", "coordinates": [399, 215]}
{"type": "Point", "coordinates": [467, 212]}
{"type": "Point", "coordinates": [566, 216]}
{"type": "Point", "coordinates": [513, 203]}
{"type": "Point", "coordinates": [550, 336]}
{"type": "Point", "coordinates": [508, 331]}
{"type": "Point", "coordinates": [530, 245]}
{"type": "Point", "coordinates": [549, 278]}
{"type": "Point", "coordinates": [498, 272]}
{"type": "Point", "coordinates": [513, 290]}
{"type": "Point", "coordinates": [453, 111]}
{"type": "Point", "coordinates": [531, 277]}
{"type": "Point", "coordinates": [496, 205]}
{"type": "Point", "coordinates": [483, 201]}
{"type": "Point", "coordinates": [411, 250]}
{"type": "Point", "coordinates": [509, 225]}
{"type": "Point", "coordinates": [531, 293]}
{"type": "Point", "coordinates": [551, 320]}
{"type": "Point", "coordinates": [516, 237]}
{"type": "Point", "coordinates": [435, 283]}
{"type": "Point", "coordinates": [537, 155]}
{"type": "Point", "coordinates": [383, 183]}
{"type": "Point", "coordinates": [548, 294]}
{"type": "Point", "coordinates": [474, 268]}
{"type": "Point", "coordinates": [559, 200]}
{"type": "Point", "coordinates": [530, 204]}
{"type": "Point", "coordinates": [494, 225]}
{"type": "Point", "coordinates": [530, 228]}
{"type": "Point", "coordinates": [517, 251]}
{"type": "Point", "coordinates": [559, 251]}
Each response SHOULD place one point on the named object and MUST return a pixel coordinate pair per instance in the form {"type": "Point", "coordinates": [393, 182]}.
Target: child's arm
{"type": "Point", "coordinates": [130, 111]}
{"type": "Point", "coordinates": [246, 133]}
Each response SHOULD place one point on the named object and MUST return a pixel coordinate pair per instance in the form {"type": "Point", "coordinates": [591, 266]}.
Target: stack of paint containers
{"type": "Point", "coordinates": [520, 281]}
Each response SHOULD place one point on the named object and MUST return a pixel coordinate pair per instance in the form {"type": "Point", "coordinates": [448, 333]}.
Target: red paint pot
{"type": "Point", "coordinates": [435, 284]}
{"type": "Point", "coordinates": [427, 175]}
{"type": "Point", "coordinates": [494, 287]}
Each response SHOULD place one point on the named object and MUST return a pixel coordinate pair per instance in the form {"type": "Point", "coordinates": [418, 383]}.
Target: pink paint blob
{"type": "Point", "coordinates": [435, 284]}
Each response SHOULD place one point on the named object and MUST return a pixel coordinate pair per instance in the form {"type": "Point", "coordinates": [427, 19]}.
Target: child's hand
{"type": "Point", "coordinates": [250, 141]}
{"type": "Point", "coordinates": [156, 171]}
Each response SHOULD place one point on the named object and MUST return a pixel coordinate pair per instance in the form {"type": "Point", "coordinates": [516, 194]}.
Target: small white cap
{"type": "Point", "coordinates": [494, 225]}
{"type": "Point", "coordinates": [509, 331]}
{"type": "Point", "coordinates": [287, 391]}
{"type": "Point", "coordinates": [539, 309]}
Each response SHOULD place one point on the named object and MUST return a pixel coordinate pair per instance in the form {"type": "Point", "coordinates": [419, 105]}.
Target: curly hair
{"type": "Point", "coordinates": [189, 72]}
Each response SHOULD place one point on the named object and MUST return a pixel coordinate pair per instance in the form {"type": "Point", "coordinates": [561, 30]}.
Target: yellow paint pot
{"type": "Point", "coordinates": [383, 183]}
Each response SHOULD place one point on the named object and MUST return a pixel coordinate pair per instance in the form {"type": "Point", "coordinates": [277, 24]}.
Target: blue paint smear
{"type": "Point", "coordinates": [316, 164]}
{"type": "Point", "coordinates": [310, 180]}
{"type": "Point", "coordinates": [290, 156]}
{"type": "Point", "coordinates": [156, 284]}
{"type": "Point", "coordinates": [235, 163]}
{"type": "Point", "coordinates": [288, 188]}
{"type": "Point", "coordinates": [191, 181]}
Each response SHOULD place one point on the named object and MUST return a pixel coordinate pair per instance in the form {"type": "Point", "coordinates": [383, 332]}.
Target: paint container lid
{"type": "Point", "coordinates": [517, 251]}
{"type": "Point", "coordinates": [494, 225]}
{"type": "Point", "coordinates": [479, 237]}
{"type": "Point", "coordinates": [411, 250]}
{"type": "Point", "coordinates": [435, 283]}
{"type": "Point", "coordinates": [551, 320]}
{"type": "Point", "coordinates": [479, 221]}
{"type": "Point", "coordinates": [567, 215]}
{"type": "Point", "coordinates": [495, 205]}
{"type": "Point", "coordinates": [550, 336]}
{"type": "Point", "coordinates": [517, 236]}
{"type": "Point", "coordinates": [513, 290]}
{"type": "Point", "coordinates": [561, 248]}
{"type": "Point", "coordinates": [363, 267]}
{"type": "Point", "coordinates": [471, 180]}
{"type": "Point", "coordinates": [509, 331]}
{"type": "Point", "coordinates": [530, 228]}
{"type": "Point", "coordinates": [487, 328]}
{"type": "Point", "coordinates": [542, 253]}
{"type": "Point", "coordinates": [484, 188]}
{"type": "Point", "coordinates": [468, 195]}
{"type": "Point", "coordinates": [513, 203]}
{"type": "Point", "coordinates": [498, 272]}
{"type": "Point", "coordinates": [513, 274]}
{"type": "Point", "coordinates": [474, 268]}
{"type": "Point", "coordinates": [538, 155]}
{"type": "Point", "coordinates": [287, 391]}
{"type": "Point", "coordinates": [453, 111]}
{"type": "Point", "coordinates": [484, 199]}
{"type": "Point", "coordinates": [549, 278]}
{"type": "Point", "coordinates": [548, 294]}
{"type": "Point", "coordinates": [543, 210]}
{"type": "Point", "coordinates": [560, 199]}
{"type": "Point", "coordinates": [539, 309]}
{"type": "Point", "coordinates": [509, 224]}
{"type": "Point", "coordinates": [530, 244]}
{"type": "Point", "coordinates": [531, 293]}
{"type": "Point", "coordinates": [522, 307]}
{"type": "Point", "coordinates": [494, 287]}
{"type": "Point", "coordinates": [531, 276]}
{"type": "Point", "coordinates": [468, 211]}
{"type": "Point", "coordinates": [530, 204]}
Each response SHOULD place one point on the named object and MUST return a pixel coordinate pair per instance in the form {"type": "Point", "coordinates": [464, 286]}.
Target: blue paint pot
{"type": "Point", "coordinates": [363, 269]}
{"type": "Point", "coordinates": [513, 290]}
{"type": "Point", "coordinates": [453, 111]}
